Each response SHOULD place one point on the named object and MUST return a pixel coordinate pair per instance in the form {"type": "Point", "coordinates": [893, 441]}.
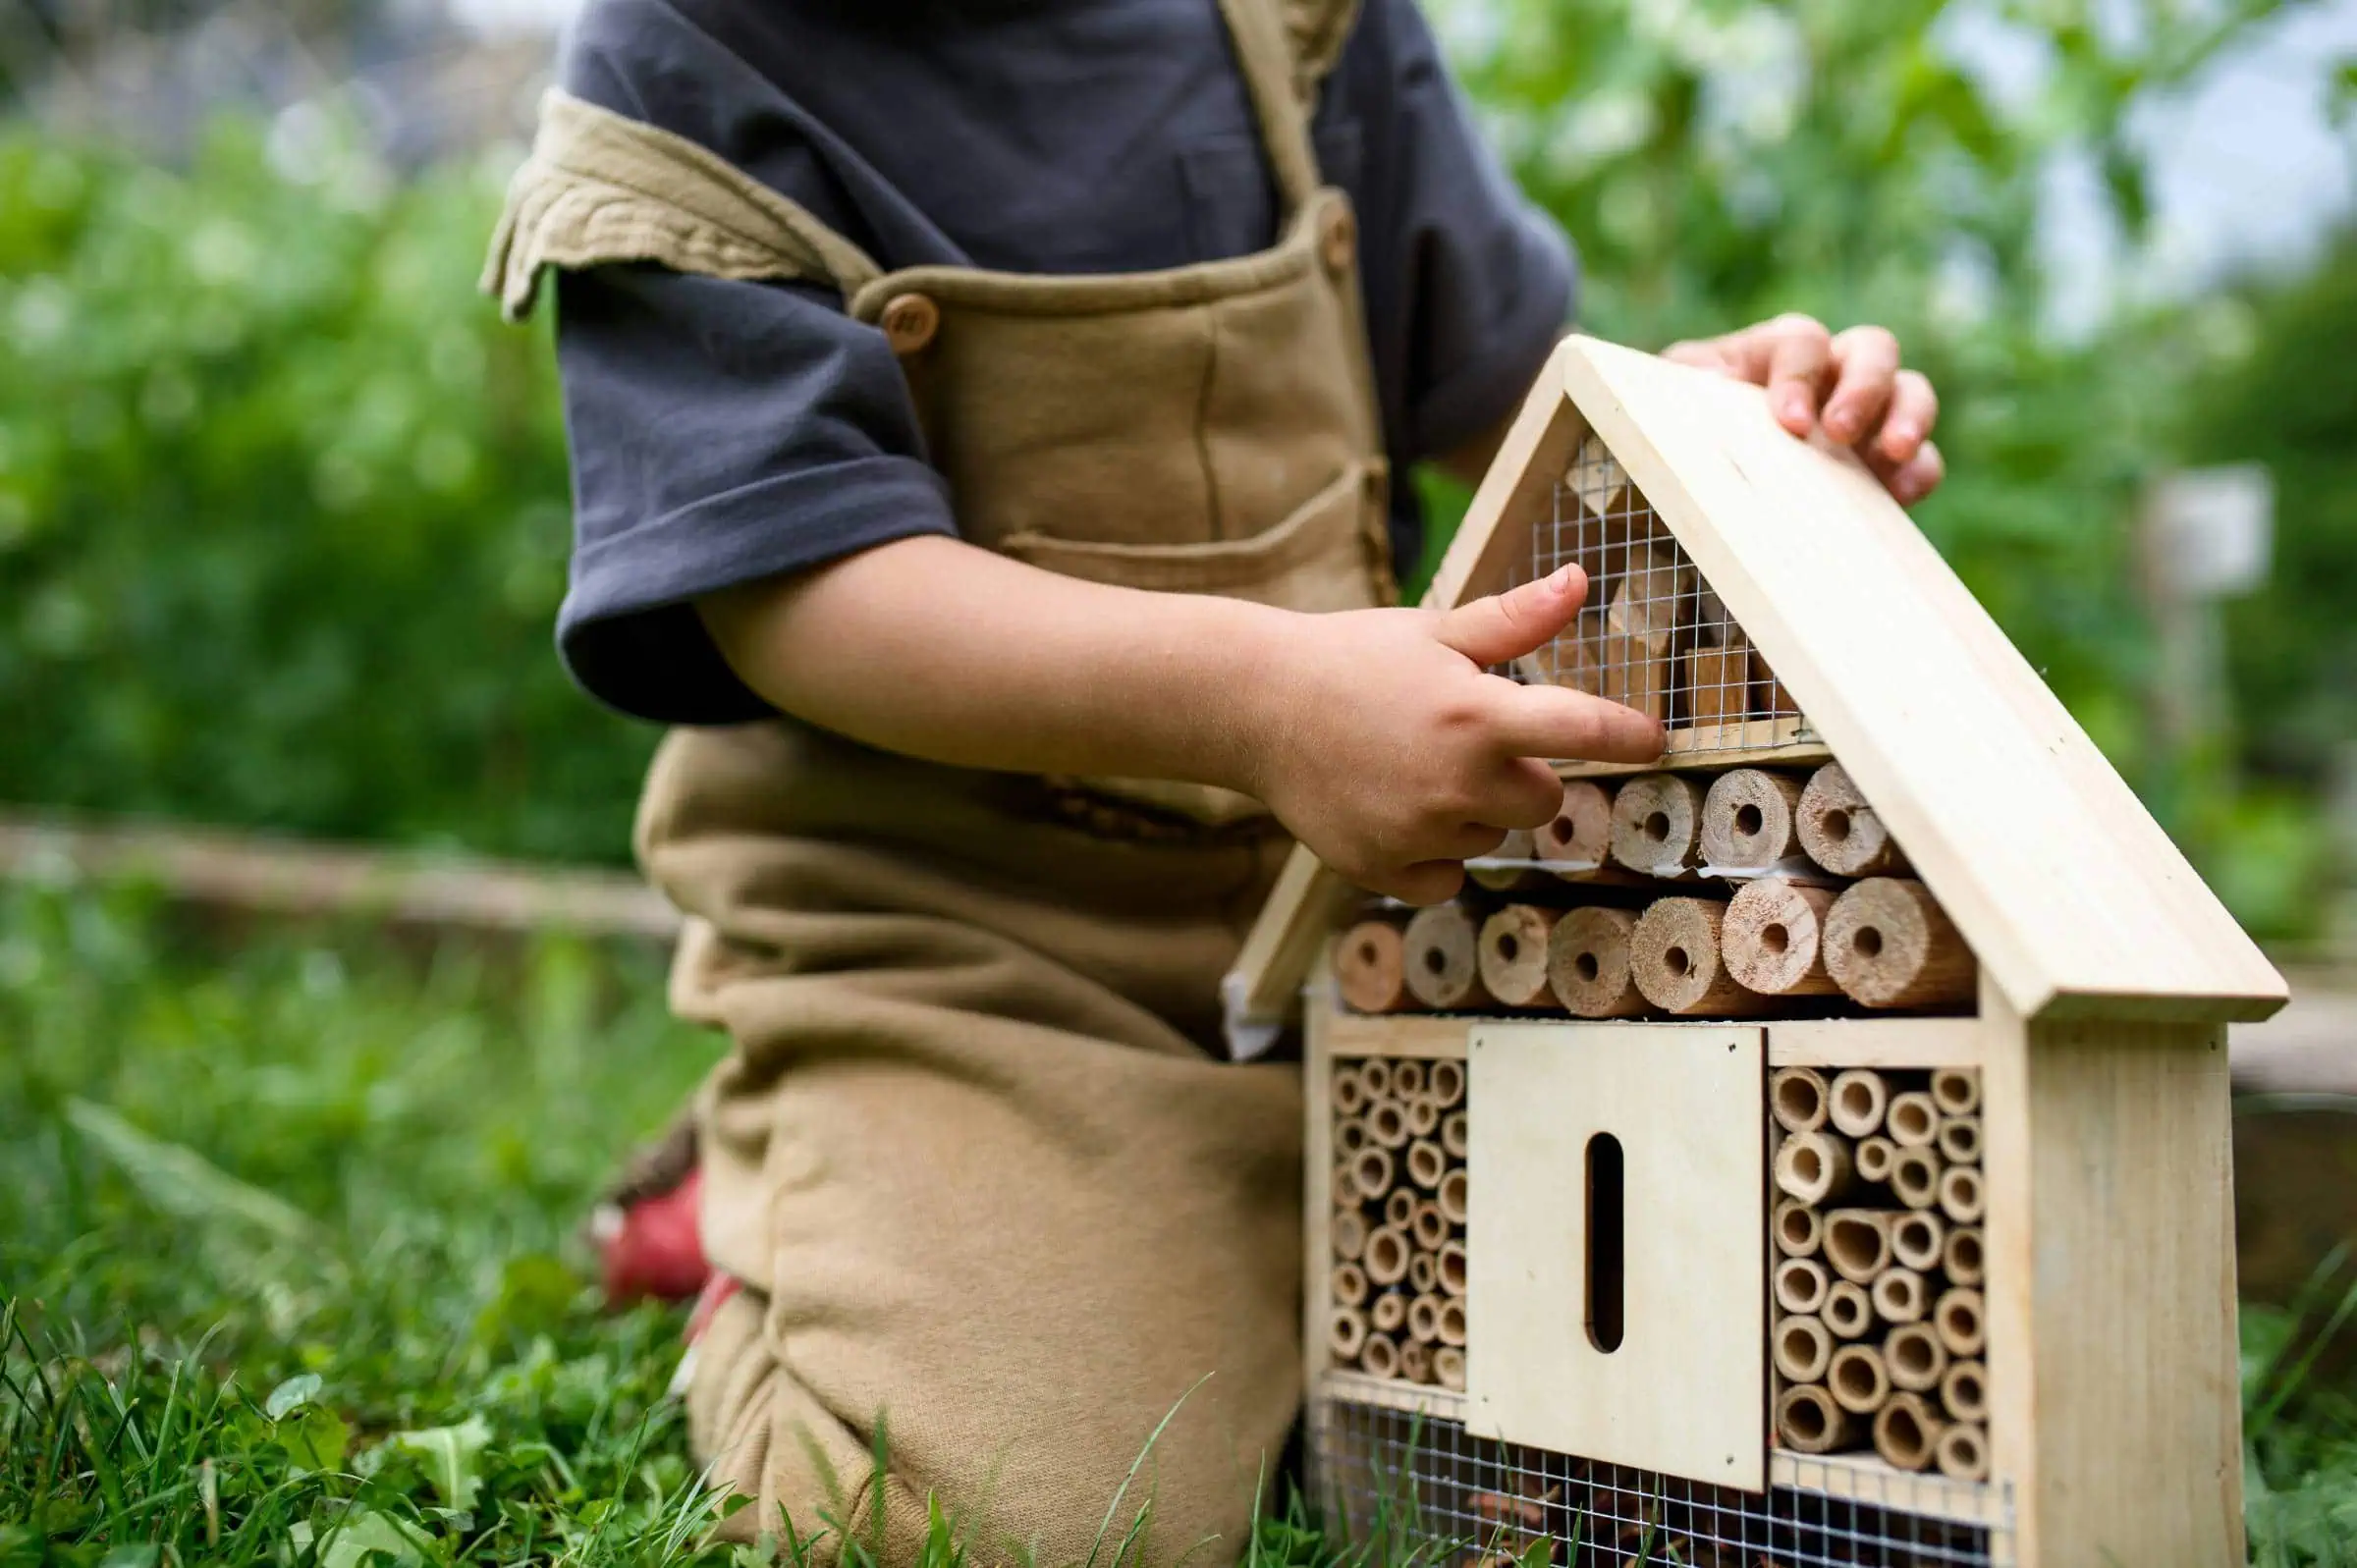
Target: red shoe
{"type": "Point", "coordinates": [645, 1231]}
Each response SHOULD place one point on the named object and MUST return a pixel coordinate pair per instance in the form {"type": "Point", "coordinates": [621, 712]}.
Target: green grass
{"type": "Point", "coordinates": [287, 1271]}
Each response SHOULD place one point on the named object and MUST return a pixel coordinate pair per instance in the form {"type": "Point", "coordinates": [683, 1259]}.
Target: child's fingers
{"type": "Point", "coordinates": [1427, 882]}
{"type": "Point", "coordinates": [1557, 721]}
{"type": "Point", "coordinates": [1867, 358]}
{"type": "Point", "coordinates": [1507, 626]}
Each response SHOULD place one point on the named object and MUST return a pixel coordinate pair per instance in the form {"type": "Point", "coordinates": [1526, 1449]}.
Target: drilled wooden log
{"type": "Point", "coordinates": [1516, 845]}
{"type": "Point", "coordinates": [1750, 820]}
{"type": "Point", "coordinates": [1588, 964]}
{"type": "Point", "coordinates": [1581, 834]}
{"type": "Point", "coordinates": [1888, 945]}
{"type": "Point", "coordinates": [1774, 937]}
{"type": "Point", "coordinates": [1675, 955]}
{"type": "Point", "coordinates": [1841, 832]}
{"type": "Point", "coordinates": [1657, 824]}
{"type": "Point", "coordinates": [1514, 955]}
{"type": "Point", "coordinates": [1370, 968]}
{"type": "Point", "coordinates": [1444, 959]}
{"type": "Point", "coordinates": [1797, 1097]}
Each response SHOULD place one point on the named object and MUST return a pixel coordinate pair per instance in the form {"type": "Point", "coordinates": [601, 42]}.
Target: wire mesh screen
{"type": "Point", "coordinates": [1421, 1489]}
{"type": "Point", "coordinates": [1652, 635]}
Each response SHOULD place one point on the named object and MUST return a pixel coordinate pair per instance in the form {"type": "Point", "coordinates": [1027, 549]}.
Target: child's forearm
{"type": "Point", "coordinates": [938, 649]}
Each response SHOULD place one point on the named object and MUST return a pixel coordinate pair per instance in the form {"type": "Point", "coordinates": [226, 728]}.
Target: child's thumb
{"type": "Point", "coordinates": [1507, 626]}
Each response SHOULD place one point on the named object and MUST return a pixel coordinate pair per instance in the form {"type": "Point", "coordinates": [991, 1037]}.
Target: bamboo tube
{"type": "Point", "coordinates": [1445, 1083]}
{"type": "Point", "coordinates": [1349, 1284]}
{"type": "Point", "coordinates": [1803, 1349]}
{"type": "Point", "coordinates": [1399, 1208]}
{"type": "Point", "coordinates": [1799, 1229]}
{"type": "Point", "coordinates": [1957, 1091]}
{"type": "Point", "coordinates": [1914, 1356]}
{"type": "Point", "coordinates": [1899, 1295]}
{"type": "Point", "coordinates": [1386, 1255]}
{"type": "Point", "coordinates": [1345, 1192]}
{"type": "Point", "coordinates": [1859, 1100]}
{"type": "Point", "coordinates": [1917, 1238]}
{"type": "Point", "coordinates": [1424, 1319]}
{"type": "Point", "coordinates": [1380, 1356]}
{"type": "Point", "coordinates": [1848, 1312]}
{"type": "Point", "coordinates": [1448, 1366]}
{"type": "Point", "coordinates": [1349, 1136]}
{"type": "Point", "coordinates": [1370, 968]}
{"type": "Point", "coordinates": [1424, 1119]}
{"type": "Point", "coordinates": [1800, 1286]}
{"type": "Point", "coordinates": [1964, 1390]}
{"type": "Point", "coordinates": [1840, 830]}
{"type": "Point", "coordinates": [1961, 1258]}
{"type": "Point", "coordinates": [1430, 1227]}
{"type": "Point", "coordinates": [1407, 1081]}
{"type": "Point", "coordinates": [1774, 937]}
{"type": "Point", "coordinates": [1915, 1177]}
{"type": "Point", "coordinates": [1514, 956]}
{"type": "Point", "coordinates": [1962, 1452]}
{"type": "Point", "coordinates": [1874, 1157]}
{"type": "Point", "coordinates": [1960, 1140]}
{"type": "Point", "coordinates": [1452, 1268]}
{"type": "Point", "coordinates": [1444, 960]}
{"type": "Point", "coordinates": [1455, 1135]}
{"type": "Point", "coordinates": [1913, 1121]}
{"type": "Point", "coordinates": [1387, 1312]}
{"type": "Point", "coordinates": [1581, 833]}
{"type": "Point", "coordinates": [1348, 1231]}
{"type": "Point", "coordinates": [1345, 1333]}
{"type": "Point", "coordinates": [1906, 1431]}
{"type": "Point", "coordinates": [1813, 1167]}
{"type": "Point", "coordinates": [1657, 824]}
{"type": "Point", "coordinates": [1372, 1169]}
{"type": "Point", "coordinates": [1857, 1243]}
{"type": "Point", "coordinates": [1809, 1422]}
{"type": "Point", "coordinates": [1891, 946]}
{"type": "Point", "coordinates": [1423, 1274]}
{"type": "Point", "coordinates": [1426, 1164]}
{"type": "Point", "coordinates": [1959, 1318]}
{"type": "Point", "coordinates": [1415, 1362]}
{"type": "Point", "coordinates": [1386, 1124]}
{"type": "Point", "coordinates": [1350, 1095]}
{"type": "Point", "coordinates": [1587, 963]}
{"type": "Point", "coordinates": [1675, 959]}
{"type": "Point", "coordinates": [1750, 818]}
{"type": "Point", "coordinates": [1796, 1099]}
{"type": "Point", "coordinates": [1859, 1382]}
{"type": "Point", "coordinates": [1375, 1076]}
{"type": "Point", "coordinates": [1452, 1321]}
{"type": "Point", "coordinates": [1452, 1195]}
{"type": "Point", "coordinates": [1515, 845]}
{"type": "Point", "coordinates": [1961, 1197]}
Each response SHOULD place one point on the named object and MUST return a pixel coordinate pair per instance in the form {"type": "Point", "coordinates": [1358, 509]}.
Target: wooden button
{"type": "Point", "coordinates": [1341, 241]}
{"type": "Point", "coordinates": [909, 322]}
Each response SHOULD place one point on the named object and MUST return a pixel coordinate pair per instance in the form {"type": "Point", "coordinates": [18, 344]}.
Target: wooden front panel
{"type": "Point", "coordinates": [1684, 1390]}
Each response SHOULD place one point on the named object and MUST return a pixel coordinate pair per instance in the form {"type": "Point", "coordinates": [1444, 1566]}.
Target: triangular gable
{"type": "Point", "coordinates": [2065, 887]}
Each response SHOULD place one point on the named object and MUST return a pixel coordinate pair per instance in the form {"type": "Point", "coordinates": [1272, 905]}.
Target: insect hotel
{"type": "Point", "coordinates": [1811, 1149]}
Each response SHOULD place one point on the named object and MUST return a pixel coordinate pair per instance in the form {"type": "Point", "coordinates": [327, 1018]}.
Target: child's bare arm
{"type": "Point", "coordinates": [1376, 736]}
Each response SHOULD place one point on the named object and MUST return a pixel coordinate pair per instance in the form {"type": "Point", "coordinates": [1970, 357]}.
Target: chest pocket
{"type": "Point", "coordinates": [1231, 201]}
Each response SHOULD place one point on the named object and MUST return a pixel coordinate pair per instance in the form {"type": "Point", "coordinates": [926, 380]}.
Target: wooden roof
{"type": "Point", "coordinates": [2072, 897]}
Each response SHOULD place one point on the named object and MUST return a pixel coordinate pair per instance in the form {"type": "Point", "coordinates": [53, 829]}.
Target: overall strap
{"type": "Point", "coordinates": [1284, 89]}
{"type": "Point", "coordinates": [602, 188]}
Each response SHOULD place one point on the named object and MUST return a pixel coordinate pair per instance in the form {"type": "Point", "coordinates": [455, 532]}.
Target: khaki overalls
{"type": "Point", "coordinates": [974, 1154]}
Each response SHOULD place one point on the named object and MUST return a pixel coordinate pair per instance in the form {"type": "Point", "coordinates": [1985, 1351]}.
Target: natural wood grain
{"type": "Point", "coordinates": [1748, 819]}
{"type": "Point", "coordinates": [1874, 1042]}
{"type": "Point", "coordinates": [1887, 944]}
{"type": "Point", "coordinates": [1784, 741]}
{"type": "Point", "coordinates": [1370, 968]}
{"type": "Point", "coordinates": [1838, 829]}
{"type": "Point", "coordinates": [1444, 959]}
{"type": "Point", "coordinates": [1512, 954]}
{"type": "Point", "coordinates": [1675, 958]}
{"type": "Point", "coordinates": [1263, 985]}
{"type": "Point", "coordinates": [1425, 1036]}
{"type": "Point", "coordinates": [1588, 966]}
{"type": "Point", "coordinates": [1771, 938]}
{"type": "Point", "coordinates": [1582, 830]}
{"type": "Point", "coordinates": [1657, 824]}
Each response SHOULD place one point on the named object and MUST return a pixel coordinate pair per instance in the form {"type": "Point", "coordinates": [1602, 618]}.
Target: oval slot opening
{"type": "Point", "coordinates": [1607, 1241]}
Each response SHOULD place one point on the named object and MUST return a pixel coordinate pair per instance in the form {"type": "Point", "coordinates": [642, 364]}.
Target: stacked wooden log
{"type": "Point", "coordinates": [1397, 1283]}
{"type": "Point", "coordinates": [1750, 894]}
{"type": "Point", "coordinates": [1878, 1336]}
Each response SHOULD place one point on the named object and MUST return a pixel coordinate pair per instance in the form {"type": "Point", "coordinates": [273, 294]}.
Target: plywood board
{"type": "Point", "coordinates": [1432, 1036]}
{"type": "Point", "coordinates": [1874, 1042]}
{"type": "Point", "coordinates": [1685, 1390]}
{"type": "Point", "coordinates": [2070, 894]}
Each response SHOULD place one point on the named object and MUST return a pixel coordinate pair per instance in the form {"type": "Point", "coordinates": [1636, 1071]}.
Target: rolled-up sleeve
{"type": "Point", "coordinates": [722, 432]}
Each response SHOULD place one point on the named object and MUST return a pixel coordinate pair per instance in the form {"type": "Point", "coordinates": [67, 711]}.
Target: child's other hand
{"type": "Point", "coordinates": [1850, 381]}
{"type": "Point", "coordinates": [1392, 753]}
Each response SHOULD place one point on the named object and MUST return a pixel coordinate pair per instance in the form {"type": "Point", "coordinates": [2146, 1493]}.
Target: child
{"type": "Point", "coordinates": [983, 418]}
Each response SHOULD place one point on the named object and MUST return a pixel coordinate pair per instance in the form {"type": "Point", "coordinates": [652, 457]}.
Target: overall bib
{"type": "Point", "coordinates": [975, 1154]}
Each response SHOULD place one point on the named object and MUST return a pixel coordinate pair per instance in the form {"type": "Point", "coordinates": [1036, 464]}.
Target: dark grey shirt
{"type": "Point", "coordinates": [727, 431]}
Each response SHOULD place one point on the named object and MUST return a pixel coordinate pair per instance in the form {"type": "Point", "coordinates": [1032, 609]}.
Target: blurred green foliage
{"type": "Point", "coordinates": [281, 508]}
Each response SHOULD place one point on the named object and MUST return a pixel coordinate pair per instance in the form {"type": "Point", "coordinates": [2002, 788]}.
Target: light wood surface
{"type": "Point", "coordinates": [2058, 878]}
{"type": "Point", "coordinates": [1684, 1391]}
{"type": "Point", "coordinates": [1317, 1191]}
{"type": "Point", "coordinates": [1874, 1042]}
{"type": "Point", "coordinates": [1370, 968]}
{"type": "Point", "coordinates": [1261, 987]}
{"type": "Point", "coordinates": [1784, 742]}
{"type": "Point", "coordinates": [1429, 1037]}
{"type": "Point", "coordinates": [1865, 1478]}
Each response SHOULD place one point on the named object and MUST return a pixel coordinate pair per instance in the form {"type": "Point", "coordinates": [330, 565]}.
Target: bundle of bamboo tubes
{"type": "Point", "coordinates": [1397, 1283]}
{"type": "Point", "coordinates": [1878, 1335]}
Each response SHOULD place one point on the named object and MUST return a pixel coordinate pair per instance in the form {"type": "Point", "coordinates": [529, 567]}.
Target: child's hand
{"type": "Point", "coordinates": [1392, 753]}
